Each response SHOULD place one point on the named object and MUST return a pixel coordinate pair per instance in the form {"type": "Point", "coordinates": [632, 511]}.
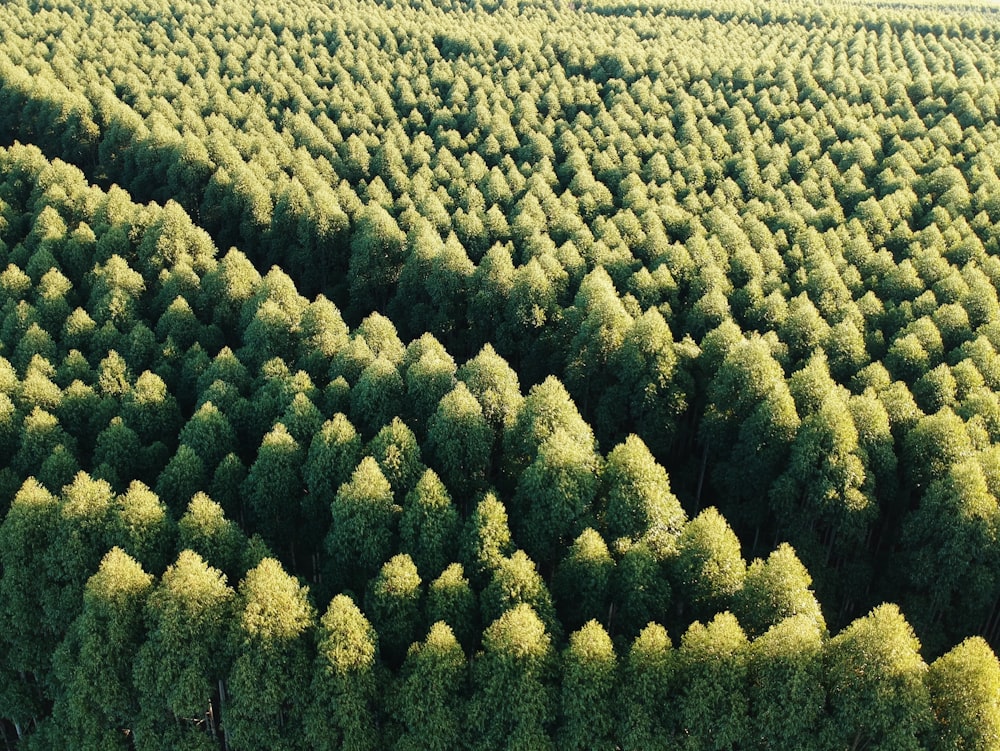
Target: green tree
{"type": "Point", "coordinates": [450, 599]}
{"type": "Point", "coordinates": [875, 684]}
{"type": "Point", "coordinates": [179, 667]}
{"type": "Point", "coordinates": [273, 490]}
{"type": "Point", "coordinates": [648, 685]}
{"type": "Point", "coordinates": [364, 524]}
{"type": "Point", "coordinates": [272, 661]}
{"type": "Point", "coordinates": [486, 539]}
{"type": "Point", "coordinates": [554, 495]}
{"type": "Point", "coordinates": [589, 683]}
{"type": "Point", "coordinates": [640, 587]}
{"type": "Point", "coordinates": [512, 704]}
{"type": "Point", "coordinates": [546, 409]}
{"type": "Point", "coordinates": [397, 452]}
{"type": "Point", "coordinates": [709, 566]}
{"type": "Point", "coordinates": [776, 589]}
{"type": "Point", "coordinates": [378, 250]}
{"type": "Point", "coordinates": [784, 684]}
{"type": "Point", "coordinates": [581, 584]}
{"type": "Point", "coordinates": [639, 499]}
{"type": "Point", "coordinates": [712, 669]}
{"type": "Point", "coordinates": [429, 702]}
{"type": "Point", "coordinates": [205, 529]}
{"type": "Point", "coordinates": [29, 526]}
{"type": "Point", "coordinates": [949, 553]}
{"type": "Point", "coordinates": [146, 530]}
{"type": "Point", "coordinates": [460, 443]}
{"type": "Point", "coordinates": [394, 600]}
{"type": "Point", "coordinates": [183, 476]}
{"type": "Point", "coordinates": [344, 689]}
{"type": "Point", "coordinates": [97, 700]}
{"type": "Point", "coordinates": [963, 685]}
{"type": "Point", "coordinates": [516, 580]}
{"type": "Point", "coordinates": [429, 524]}
{"type": "Point", "coordinates": [495, 386]}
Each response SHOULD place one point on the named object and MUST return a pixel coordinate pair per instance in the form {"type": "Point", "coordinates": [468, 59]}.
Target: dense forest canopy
{"type": "Point", "coordinates": [494, 375]}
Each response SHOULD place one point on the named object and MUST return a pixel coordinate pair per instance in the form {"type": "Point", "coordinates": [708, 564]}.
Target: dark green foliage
{"type": "Point", "coordinates": [394, 602]}
{"type": "Point", "coordinates": [963, 686]}
{"type": "Point", "coordinates": [364, 524]}
{"type": "Point", "coordinates": [176, 676]}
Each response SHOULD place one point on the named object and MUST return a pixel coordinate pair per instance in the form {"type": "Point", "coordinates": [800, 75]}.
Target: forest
{"type": "Point", "coordinates": [499, 374]}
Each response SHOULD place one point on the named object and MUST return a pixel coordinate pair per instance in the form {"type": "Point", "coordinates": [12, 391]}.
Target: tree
{"type": "Point", "coordinates": [581, 584]}
{"type": "Point", "coordinates": [344, 689]}
{"type": "Point", "coordinates": [515, 581]}
{"type": "Point", "coordinates": [639, 499]}
{"type": "Point", "coordinates": [175, 674]}
{"type": "Point", "coordinates": [648, 685]}
{"type": "Point", "coordinates": [949, 549]}
{"type": "Point", "coordinates": [183, 476]}
{"type": "Point", "coordinates": [364, 524]}
{"type": "Point", "coordinates": [273, 489]}
{"type": "Point", "coordinates": [145, 529]}
{"type": "Point", "coordinates": [874, 678]}
{"type": "Point", "coordinates": [495, 386]}
{"type": "Point", "coordinates": [397, 452]}
{"type": "Point", "coordinates": [205, 529]}
{"type": "Point", "coordinates": [512, 705]}
{"type": "Point", "coordinates": [378, 396]}
{"type": "Point", "coordinates": [29, 526]}
{"type": "Point", "coordinates": [210, 434]}
{"type": "Point", "coordinates": [640, 587]}
{"type": "Point", "coordinates": [429, 702]}
{"type": "Point", "coordinates": [429, 524]}
{"type": "Point", "coordinates": [712, 665]}
{"type": "Point", "coordinates": [450, 599]}
{"type": "Point", "coordinates": [784, 684]}
{"type": "Point", "coordinates": [547, 408]}
{"type": "Point", "coordinates": [964, 685]}
{"type": "Point", "coordinates": [394, 600]}
{"type": "Point", "coordinates": [589, 678]}
{"type": "Point", "coordinates": [486, 539]}
{"type": "Point", "coordinates": [460, 443]}
{"type": "Point", "coordinates": [709, 566]}
{"type": "Point", "coordinates": [554, 495]}
{"type": "Point", "coordinates": [272, 661]}
{"type": "Point", "coordinates": [430, 374]}
{"type": "Point", "coordinates": [776, 589]}
{"type": "Point", "coordinates": [334, 452]}
{"type": "Point", "coordinates": [96, 704]}
{"type": "Point", "coordinates": [378, 248]}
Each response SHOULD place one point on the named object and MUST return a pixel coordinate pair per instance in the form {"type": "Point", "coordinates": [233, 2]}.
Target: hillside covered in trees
{"type": "Point", "coordinates": [611, 374]}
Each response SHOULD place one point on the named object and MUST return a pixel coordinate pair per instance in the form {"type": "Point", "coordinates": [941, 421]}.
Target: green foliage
{"type": "Point", "coordinates": [875, 683]}
{"type": "Point", "coordinates": [757, 244]}
{"type": "Point", "coordinates": [271, 664]}
{"type": "Point", "coordinates": [341, 709]}
{"type": "Point", "coordinates": [512, 705]}
{"type": "Point", "coordinates": [430, 700]}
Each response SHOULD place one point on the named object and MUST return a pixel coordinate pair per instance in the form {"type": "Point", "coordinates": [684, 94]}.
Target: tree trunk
{"type": "Point", "coordinates": [222, 713]}
{"type": "Point", "coordinates": [701, 478]}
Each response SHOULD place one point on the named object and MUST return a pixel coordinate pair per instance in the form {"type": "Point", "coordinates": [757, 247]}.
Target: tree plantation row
{"type": "Point", "coordinates": [119, 626]}
{"type": "Point", "coordinates": [497, 271]}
